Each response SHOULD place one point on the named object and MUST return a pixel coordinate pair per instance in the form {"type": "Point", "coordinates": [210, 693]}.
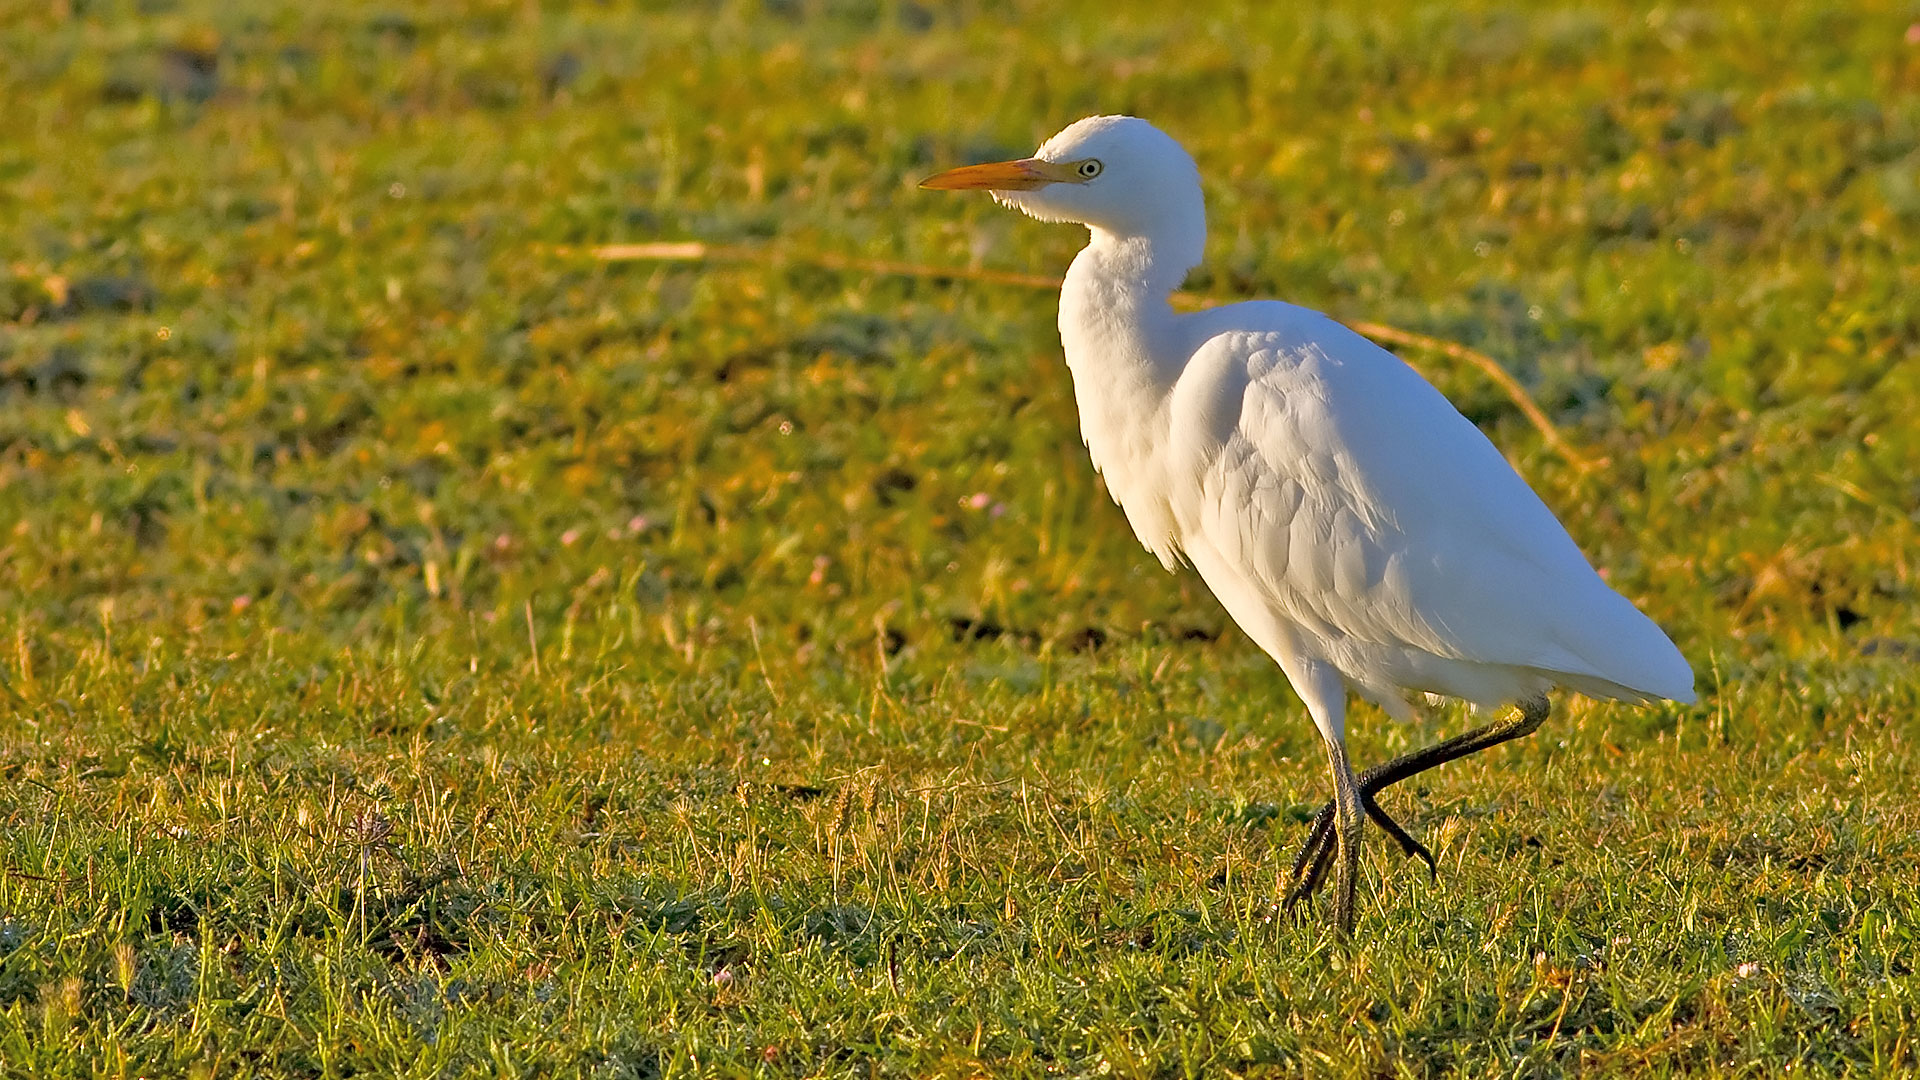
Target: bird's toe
{"type": "Point", "coordinates": [1413, 848]}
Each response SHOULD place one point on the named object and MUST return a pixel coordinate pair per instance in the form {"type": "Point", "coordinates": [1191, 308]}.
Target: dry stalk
{"type": "Point", "coordinates": [1388, 336]}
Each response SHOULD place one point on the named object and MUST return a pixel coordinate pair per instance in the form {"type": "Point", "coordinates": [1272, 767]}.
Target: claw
{"type": "Point", "coordinates": [1322, 853]}
{"type": "Point", "coordinates": [1316, 853]}
{"type": "Point", "coordinates": [1322, 825]}
{"type": "Point", "coordinates": [1413, 848]}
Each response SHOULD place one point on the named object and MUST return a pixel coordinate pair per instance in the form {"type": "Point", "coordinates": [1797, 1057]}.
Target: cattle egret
{"type": "Point", "coordinates": [1352, 522]}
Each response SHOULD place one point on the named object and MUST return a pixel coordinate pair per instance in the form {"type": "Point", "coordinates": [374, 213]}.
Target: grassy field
{"type": "Point", "coordinates": [430, 651]}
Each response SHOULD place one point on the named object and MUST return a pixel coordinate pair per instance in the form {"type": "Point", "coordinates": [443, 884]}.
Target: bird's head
{"type": "Point", "coordinates": [1118, 174]}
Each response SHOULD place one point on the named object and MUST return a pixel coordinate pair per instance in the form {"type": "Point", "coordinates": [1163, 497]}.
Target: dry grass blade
{"type": "Point", "coordinates": [694, 251]}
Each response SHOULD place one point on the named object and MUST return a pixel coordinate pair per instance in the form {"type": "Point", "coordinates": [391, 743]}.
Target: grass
{"type": "Point", "coordinates": [428, 653]}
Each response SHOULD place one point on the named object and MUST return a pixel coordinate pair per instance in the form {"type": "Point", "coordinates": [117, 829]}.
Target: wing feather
{"type": "Point", "coordinates": [1370, 511]}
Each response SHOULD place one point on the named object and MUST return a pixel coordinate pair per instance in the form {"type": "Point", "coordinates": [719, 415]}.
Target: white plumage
{"type": "Point", "coordinates": [1352, 522]}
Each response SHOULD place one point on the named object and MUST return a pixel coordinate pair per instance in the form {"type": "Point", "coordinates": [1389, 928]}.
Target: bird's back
{"type": "Point", "coordinates": [1326, 479]}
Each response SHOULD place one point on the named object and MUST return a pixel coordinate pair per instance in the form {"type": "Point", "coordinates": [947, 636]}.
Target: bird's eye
{"type": "Point", "coordinates": [1089, 169]}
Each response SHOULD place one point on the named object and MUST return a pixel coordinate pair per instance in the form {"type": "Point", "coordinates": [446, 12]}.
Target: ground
{"type": "Point", "coordinates": [430, 650]}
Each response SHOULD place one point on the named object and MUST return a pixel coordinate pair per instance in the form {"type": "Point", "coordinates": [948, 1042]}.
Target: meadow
{"type": "Point", "coordinates": [427, 649]}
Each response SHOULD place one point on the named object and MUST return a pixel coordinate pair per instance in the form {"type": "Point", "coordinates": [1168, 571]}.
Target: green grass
{"type": "Point", "coordinates": [428, 653]}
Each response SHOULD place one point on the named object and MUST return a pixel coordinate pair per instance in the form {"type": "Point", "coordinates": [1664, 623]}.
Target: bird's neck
{"type": "Point", "coordinates": [1116, 324]}
{"type": "Point", "coordinates": [1124, 346]}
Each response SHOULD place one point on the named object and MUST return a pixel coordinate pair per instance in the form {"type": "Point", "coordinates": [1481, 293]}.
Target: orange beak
{"type": "Point", "coordinates": [1023, 175]}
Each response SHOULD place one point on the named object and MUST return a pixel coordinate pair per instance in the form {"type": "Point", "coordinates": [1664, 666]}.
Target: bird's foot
{"type": "Point", "coordinates": [1310, 865]}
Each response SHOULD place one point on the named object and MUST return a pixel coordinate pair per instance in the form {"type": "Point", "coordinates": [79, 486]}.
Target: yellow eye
{"type": "Point", "coordinates": [1089, 169]}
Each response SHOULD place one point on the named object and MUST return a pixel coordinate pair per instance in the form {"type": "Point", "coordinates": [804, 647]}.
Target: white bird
{"type": "Point", "coordinates": [1356, 526]}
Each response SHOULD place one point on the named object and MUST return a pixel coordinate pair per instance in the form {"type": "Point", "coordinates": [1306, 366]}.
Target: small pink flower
{"type": "Point", "coordinates": [568, 538]}
{"type": "Point", "coordinates": [978, 500]}
{"type": "Point", "coordinates": [1913, 34]}
{"type": "Point", "coordinates": [502, 542]}
{"type": "Point", "coordinates": [638, 523]}
{"type": "Point", "coordinates": [819, 574]}
{"type": "Point", "coordinates": [242, 602]}
{"type": "Point", "coordinates": [997, 510]}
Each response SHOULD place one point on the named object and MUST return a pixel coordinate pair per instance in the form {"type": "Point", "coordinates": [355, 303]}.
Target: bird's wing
{"type": "Point", "coordinates": [1368, 508]}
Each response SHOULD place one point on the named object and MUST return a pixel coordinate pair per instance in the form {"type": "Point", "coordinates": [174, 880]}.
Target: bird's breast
{"type": "Point", "coordinates": [1125, 436]}
{"type": "Point", "coordinates": [1121, 344]}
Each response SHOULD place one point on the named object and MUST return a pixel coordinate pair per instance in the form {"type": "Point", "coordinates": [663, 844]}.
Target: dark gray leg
{"type": "Point", "coordinates": [1310, 866]}
{"type": "Point", "coordinates": [1347, 829]}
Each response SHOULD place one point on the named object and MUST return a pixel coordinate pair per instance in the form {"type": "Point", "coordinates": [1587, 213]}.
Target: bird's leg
{"type": "Point", "coordinates": [1347, 825]}
{"type": "Point", "coordinates": [1310, 866]}
{"type": "Point", "coordinates": [1531, 714]}
{"type": "Point", "coordinates": [1316, 846]}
